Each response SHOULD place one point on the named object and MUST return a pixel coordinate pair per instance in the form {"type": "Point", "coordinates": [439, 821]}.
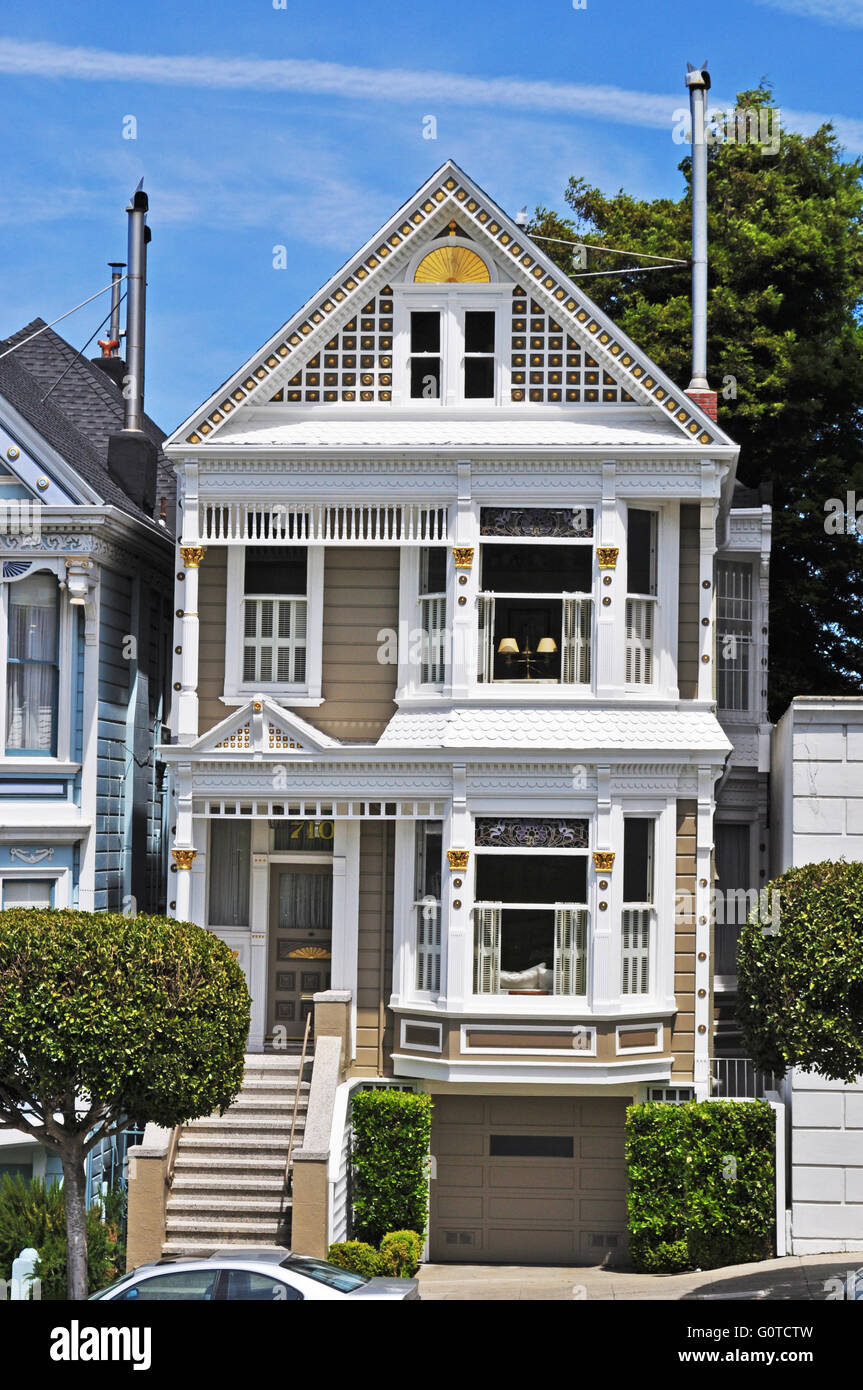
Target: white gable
{"type": "Point", "coordinates": [262, 727]}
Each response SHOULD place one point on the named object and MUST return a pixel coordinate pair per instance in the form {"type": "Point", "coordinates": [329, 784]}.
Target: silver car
{"type": "Point", "coordinates": [266, 1274]}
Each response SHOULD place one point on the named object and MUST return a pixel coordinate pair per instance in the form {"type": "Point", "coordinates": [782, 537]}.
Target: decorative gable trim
{"type": "Point", "coordinates": [447, 191]}
{"type": "Point", "coordinates": [263, 727]}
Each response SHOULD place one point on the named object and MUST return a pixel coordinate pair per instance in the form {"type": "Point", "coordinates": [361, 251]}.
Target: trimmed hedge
{"type": "Point", "coordinates": [391, 1137]}
{"type": "Point", "coordinates": [701, 1184]}
{"type": "Point", "coordinates": [398, 1257]}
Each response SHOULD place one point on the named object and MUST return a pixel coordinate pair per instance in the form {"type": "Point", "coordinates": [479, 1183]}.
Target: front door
{"type": "Point", "coordinates": [301, 934]}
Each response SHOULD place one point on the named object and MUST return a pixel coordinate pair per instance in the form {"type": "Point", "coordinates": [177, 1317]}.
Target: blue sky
{"type": "Point", "coordinates": [302, 126]}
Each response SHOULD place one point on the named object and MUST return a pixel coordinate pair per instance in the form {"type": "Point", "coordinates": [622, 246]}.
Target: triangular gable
{"type": "Point", "coordinates": [448, 194]}
{"type": "Point", "coordinates": [261, 726]}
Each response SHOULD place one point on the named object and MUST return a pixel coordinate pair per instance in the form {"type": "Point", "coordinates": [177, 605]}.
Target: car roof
{"type": "Point", "coordinates": [266, 1254]}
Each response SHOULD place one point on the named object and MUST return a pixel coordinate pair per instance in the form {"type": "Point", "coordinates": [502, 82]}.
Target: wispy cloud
{"type": "Point", "coordinates": [846, 14]}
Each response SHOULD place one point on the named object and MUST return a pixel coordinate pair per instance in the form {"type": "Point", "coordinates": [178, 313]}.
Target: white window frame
{"type": "Point", "coordinates": [65, 653]}
{"type": "Point", "coordinates": [59, 878]}
{"type": "Point", "coordinates": [452, 302]}
{"type": "Point", "coordinates": [238, 690]}
{"type": "Point", "coordinates": [748, 712]}
{"type": "Point", "coordinates": [649, 601]}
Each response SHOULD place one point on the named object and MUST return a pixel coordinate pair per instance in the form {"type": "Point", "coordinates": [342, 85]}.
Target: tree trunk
{"type": "Point", "coordinates": [75, 1191]}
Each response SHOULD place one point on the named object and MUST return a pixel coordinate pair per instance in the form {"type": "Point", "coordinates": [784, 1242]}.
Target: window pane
{"type": "Point", "coordinates": [425, 331]}
{"type": "Point", "coordinates": [196, 1285]}
{"type": "Point", "coordinates": [478, 331]}
{"type": "Point", "coordinates": [425, 378]}
{"type": "Point", "coordinates": [536, 569]}
{"type": "Point", "coordinates": [637, 860]}
{"type": "Point", "coordinates": [31, 678]}
{"type": "Point", "coordinates": [245, 1286]}
{"type": "Point", "coordinates": [478, 378]}
{"type": "Point", "coordinates": [531, 1146]}
{"type": "Point", "coordinates": [531, 878]}
{"type": "Point", "coordinates": [276, 570]}
{"type": "Point", "coordinates": [433, 570]}
{"type": "Point", "coordinates": [27, 892]}
{"type": "Point", "coordinates": [640, 552]}
{"type": "Point", "coordinates": [230, 850]}
{"type": "Point", "coordinates": [429, 856]}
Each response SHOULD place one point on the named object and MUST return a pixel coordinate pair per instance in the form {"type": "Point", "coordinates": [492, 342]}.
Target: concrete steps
{"type": "Point", "coordinates": [228, 1183]}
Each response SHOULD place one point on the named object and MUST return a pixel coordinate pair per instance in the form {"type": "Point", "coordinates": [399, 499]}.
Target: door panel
{"type": "Point", "coordinates": [300, 944]}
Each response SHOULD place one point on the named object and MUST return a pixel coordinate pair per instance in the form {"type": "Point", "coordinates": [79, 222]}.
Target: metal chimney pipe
{"type": "Point", "coordinates": [117, 268]}
{"type": "Point", "coordinates": [136, 308]}
{"type": "Point", "coordinates": [698, 82]}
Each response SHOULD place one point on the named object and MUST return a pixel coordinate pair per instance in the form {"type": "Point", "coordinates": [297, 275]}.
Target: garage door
{"type": "Point", "coordinates": [528, 1180]}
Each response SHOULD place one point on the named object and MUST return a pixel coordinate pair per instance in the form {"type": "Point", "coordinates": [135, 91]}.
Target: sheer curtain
{"type": "Point", "coordinates": [305, 900]}
{"type": "Point", "coordinates": [31, 675]}
{"type": "Point", "coordinates": [230, 863]}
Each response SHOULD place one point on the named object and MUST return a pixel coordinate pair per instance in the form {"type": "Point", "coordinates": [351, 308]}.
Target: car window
{"type": "Point", "coordinates": [245, 1285]}
{"type": "Point", "coordinates": [331, 1275]}
{"type": "Point", "coordinates": [188, 1285]}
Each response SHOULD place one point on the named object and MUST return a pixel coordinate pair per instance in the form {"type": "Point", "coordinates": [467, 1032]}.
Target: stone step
{"type": "Point", "coordinates": [222, 1228]}
{"type": "Point", "coordinates": [219, 1182]}
{"type": "Point", "coordinates": [239, 1143]}
{"type": "Point", "coordinates": [229, 1204]}
{"type": "Point", "coordinates": [192, 1249]}
{"type": "Point", "coordinates": [225, 1163]}
{"type": "Point", "coordinates": [241, 1123]}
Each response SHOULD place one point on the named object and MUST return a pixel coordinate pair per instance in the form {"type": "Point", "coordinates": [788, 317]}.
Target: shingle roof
{"type": "Point", "coordinates": [83, 409]}
{"type": "Point", "coordinates": [622, 729]}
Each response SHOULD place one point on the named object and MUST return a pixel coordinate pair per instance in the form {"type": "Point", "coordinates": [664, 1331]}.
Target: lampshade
{"type": "Point", "coordinates": [507, 646]}
{"type": "Point", "coordinates": [546, 646]}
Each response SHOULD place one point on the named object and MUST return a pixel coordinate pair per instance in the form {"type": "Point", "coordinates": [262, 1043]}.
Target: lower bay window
{"type": "Point", "coordinates": [428, 853]}
{"type": "Point", "coordinates": [637, 921]}
{"type": "Point", "coordinates": [530, 913]}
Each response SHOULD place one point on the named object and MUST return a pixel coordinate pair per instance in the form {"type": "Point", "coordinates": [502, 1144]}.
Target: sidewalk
{"type": "Point", "coordinates": [796, 1277]}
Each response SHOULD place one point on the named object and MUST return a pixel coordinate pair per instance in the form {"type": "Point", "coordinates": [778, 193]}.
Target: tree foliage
{"type": "Point", "coordinates": [106, 1020]}
{"type": "Point", "coordinates": [784, 333]}
{"type": "Point", "coordinates": [800, 986]}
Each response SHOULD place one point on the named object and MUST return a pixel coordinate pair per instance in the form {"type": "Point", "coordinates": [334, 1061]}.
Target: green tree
{"type": "Point", "coordinates": [785, 350]}
{"type": "Point", "coordinates": [800, 983]}
{"type": "Point", "coordinates": [107, 1019]}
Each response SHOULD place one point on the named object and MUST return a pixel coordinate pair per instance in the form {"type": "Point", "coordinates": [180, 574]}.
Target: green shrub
{"type": "Point", "coordinates": [34, 1215]}
{"type": "Point", "coordinates": [701, 1184]}
{"type": "Point", "coordinates": [400, 1253]}
{"type": "Point", "coordinates": [357, 1256]}
{"type": "Point", "coordinates": [391, 1137]}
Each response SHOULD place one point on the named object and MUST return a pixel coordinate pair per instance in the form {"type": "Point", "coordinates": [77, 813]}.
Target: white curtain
{"type": "Point", "coordinates": [31, 675]}
{"type": "Point", "coordinates": [305, 900]}
{"type": "Point", "coordinates": [230, 863]}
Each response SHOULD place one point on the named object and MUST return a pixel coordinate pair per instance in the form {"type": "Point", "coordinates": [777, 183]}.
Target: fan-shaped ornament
{"type": "Point", "coordinates": [452, 265]}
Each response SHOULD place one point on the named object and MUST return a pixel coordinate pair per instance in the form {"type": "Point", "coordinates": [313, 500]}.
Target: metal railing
{"type": "Point", "coordinates": [738, 1078]}
{"type": "Point", "coordinates": [172, 1154]}
{"type": "Point", "coordinates": [297, 1094]}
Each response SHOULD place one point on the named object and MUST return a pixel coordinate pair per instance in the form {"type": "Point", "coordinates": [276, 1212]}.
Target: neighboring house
{"type": "Point", "coordinates": [454, 553]}
{"type": "Point", "coordinates": [85, 631]}
{"type": "Point", "coordinates": [817, 803]}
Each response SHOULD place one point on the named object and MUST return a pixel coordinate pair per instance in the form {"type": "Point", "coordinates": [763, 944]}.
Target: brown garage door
{"type": "Point", "coordinates": [528, 1180]}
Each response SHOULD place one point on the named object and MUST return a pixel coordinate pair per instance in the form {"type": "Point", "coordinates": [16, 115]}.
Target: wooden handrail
{"type": "Point", "coordinates": [297, 1100]}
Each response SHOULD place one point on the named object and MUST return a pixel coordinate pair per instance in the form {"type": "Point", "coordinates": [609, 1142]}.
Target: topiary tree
{"type": "Point", "coordinates": [800, 982]}
{"type": "Point", "coordinates": [107, 1019]}
{"type": "Point", "coordinates": [390, 1153]}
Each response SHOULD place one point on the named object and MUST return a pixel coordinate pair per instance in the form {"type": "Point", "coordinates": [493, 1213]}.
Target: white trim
{"type": "Point", "coordinates": [527, 1072]}
{"type": "Point", "coordinates": [420, 1023]}
{"type": "Point", "coordinates": [577, 1030]}
{"type": "Point", "coordinates": [60, 879]}
{"type": "Point", "coordinates": [634, 1028]}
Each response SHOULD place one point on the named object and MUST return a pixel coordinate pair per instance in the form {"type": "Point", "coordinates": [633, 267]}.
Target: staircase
{"type": "Point", "coordinates": [229, 1173]}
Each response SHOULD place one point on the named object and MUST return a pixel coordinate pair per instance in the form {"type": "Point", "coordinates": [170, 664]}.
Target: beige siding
{"type": "Point", "coordinates": [361, 596]}
{"type": "Point", "coordinates": [375, 950]}
{"type": "Point", "coordinates": [687, 623]}
{"type": "Point", "coordinates": [212, 590]}
{"type": "Point", "coordinates": [683, 1028]}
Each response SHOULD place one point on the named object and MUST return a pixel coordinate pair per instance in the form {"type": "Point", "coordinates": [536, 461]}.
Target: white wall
{"type": "Point", "coordinates": [826, 1165]}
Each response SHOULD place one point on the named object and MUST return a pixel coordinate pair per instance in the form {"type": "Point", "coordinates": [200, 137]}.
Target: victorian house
{"type": "Point", "coordinates": [455, 562]}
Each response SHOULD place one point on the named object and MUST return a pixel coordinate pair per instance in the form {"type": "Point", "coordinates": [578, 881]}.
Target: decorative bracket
{"type": "Point", "coordinates": [458, 858]}
{"type": "Point", "coordinates": [463, 556]}
{"type": "Point", "coordinates": [192, 555]}
{"type": "Point", "coordinates": [603, 860]}
{"type": "Point", "coordinates": [184, 858]}
{"type": "Point", "coordinates": [607, 556]}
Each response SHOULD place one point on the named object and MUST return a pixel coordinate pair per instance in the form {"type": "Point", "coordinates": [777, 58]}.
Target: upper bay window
{"type": "Point", "coordinates": [535, 607]}
{"type": "Point", "coordinates": [32, 665]}
{"type": "Point", "coordinates": [274, 613]}
{"type": "Point", "coordinates": [447, 333]}
{"type": "Point", "coordinates": [641, 531]}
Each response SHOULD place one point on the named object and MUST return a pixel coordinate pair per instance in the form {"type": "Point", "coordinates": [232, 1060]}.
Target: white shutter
{"type": "Point", "coordinates": [639, 641]}
{"type": "Point", "coordinates": [570, 949]}
{"type": "Point", "coordinates": [428, 946]}
{"type": "Point", "coordinates": [487, 929]}
{"type": "Point", "coordinates": [485, 637]}
{"type": "Point", "coordinates": [433, 609]}
{"type": "Point", "coordinates": [635, 952]}
{"type": "Point", "coordinates": [575, 657]}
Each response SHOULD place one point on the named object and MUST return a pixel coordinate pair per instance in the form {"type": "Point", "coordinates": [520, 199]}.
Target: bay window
{"type": "Point", "coordinates": [637, 924]}
{"type": "Point", "coordinates": [428, 855]}
{"type": "Point", "coordinates": [32, 665]}
{"type": "Point", "coordinates": [530, 913]}
{"type": "Point", "coordinates": [641, 528]}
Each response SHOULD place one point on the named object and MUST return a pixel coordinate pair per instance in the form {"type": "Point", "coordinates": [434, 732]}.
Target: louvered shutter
{"type": "Point", "coordinates": [485, 637]}
{"type": "Point", "coordinates": [635, 952]}
{"type": "Point", "coordinates": [575, 658]}
{"type": "Point", "coordinates": [639, 641]}
{"type": "Point", "coordinates": [570, 950]}
{"type": "Point", "coordinates": [487, 927]}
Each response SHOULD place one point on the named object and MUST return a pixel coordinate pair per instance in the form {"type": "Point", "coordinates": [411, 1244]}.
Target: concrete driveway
{"type": "Point", "coordinates": [801, 1277]}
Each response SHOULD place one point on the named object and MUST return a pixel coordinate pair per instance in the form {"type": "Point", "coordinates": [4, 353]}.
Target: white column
{"type": "Point", "coordinates": [183, 850]}
{"type": "Point", "coordinates": [706, 607]}
{"type": "Point", "coordinates": [187, 702]}
{"type": "Point", "coordinates": [610, 584]}
{"type": "Point", "coordinates": [703, 963]}
{"type": "Point", "coordinates": [463, 586]}
{"type": "Point", "coordinates": [457, 923]}
{"type": "Point", "coordinates": [609, 833]}
{"type": "Point", "coordinates": [89, 749]}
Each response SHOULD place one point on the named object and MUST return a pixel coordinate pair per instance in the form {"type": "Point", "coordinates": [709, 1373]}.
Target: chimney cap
{"type": "Point", "coordinates": [698, 77]}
